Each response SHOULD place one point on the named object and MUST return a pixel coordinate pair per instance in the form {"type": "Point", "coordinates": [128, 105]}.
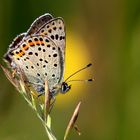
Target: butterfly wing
{"type": "Point", "coordinates": [40, 59]}
{"type": "Point", "coordinates": [55, 30]}
{"type": "Point", "coordinates": [38, 23]}
{"type": "Point", "coordinates": [40, 52]}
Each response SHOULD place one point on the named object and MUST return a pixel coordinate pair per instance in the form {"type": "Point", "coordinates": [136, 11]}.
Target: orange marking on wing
{"type": "Point", "coordinates": [16, 54]}
{"type": "Point", "coordinates": [37, 42]}
{"type": "Point", "coordinates": [21, 53]}
{"type": "Point", "coordinates": [25, 47]}
{"type": "Point", "coordinates": [42, 42]}
{"type": "Point", "coordinates": [31, 44]}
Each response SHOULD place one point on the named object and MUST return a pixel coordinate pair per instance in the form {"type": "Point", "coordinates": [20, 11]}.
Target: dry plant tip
{"type": "Point", "coordinates": [72, 121]}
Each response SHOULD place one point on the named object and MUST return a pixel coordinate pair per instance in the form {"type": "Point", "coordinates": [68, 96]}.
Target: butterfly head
{"type": "Point", "coordinates": [64, 88]}
{"type": "Point", "coordinates": [60, 88]}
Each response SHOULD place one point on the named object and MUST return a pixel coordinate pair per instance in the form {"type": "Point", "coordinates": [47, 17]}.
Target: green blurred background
{"type": "Point", "coordinates": [106, 33]}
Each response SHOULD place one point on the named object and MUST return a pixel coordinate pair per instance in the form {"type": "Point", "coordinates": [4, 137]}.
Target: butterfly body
{"type": "Point", "coordinates": [40, 54]}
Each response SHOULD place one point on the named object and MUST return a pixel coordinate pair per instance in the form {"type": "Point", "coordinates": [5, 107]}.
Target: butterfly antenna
{"type": "Point", "coordinates": [78, 71]}
{"type": "Point", "coordinates": [88, 80]}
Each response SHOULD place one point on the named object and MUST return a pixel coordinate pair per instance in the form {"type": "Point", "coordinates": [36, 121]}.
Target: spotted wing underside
{"type": "Point", "coordinates": [55, 30]}
{"type": "Point", "coordinates": [40, 59]}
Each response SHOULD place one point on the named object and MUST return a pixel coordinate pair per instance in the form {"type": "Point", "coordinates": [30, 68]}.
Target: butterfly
{"type": "Point", "coordinates": [40, 54]}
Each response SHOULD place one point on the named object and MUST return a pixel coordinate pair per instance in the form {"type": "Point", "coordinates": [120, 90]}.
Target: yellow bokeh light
{"type": "Point", "coordinates": [77, 56]}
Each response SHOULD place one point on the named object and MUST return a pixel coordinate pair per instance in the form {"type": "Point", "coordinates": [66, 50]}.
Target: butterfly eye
{"type": "Point", "coordinates": [64, 88]}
